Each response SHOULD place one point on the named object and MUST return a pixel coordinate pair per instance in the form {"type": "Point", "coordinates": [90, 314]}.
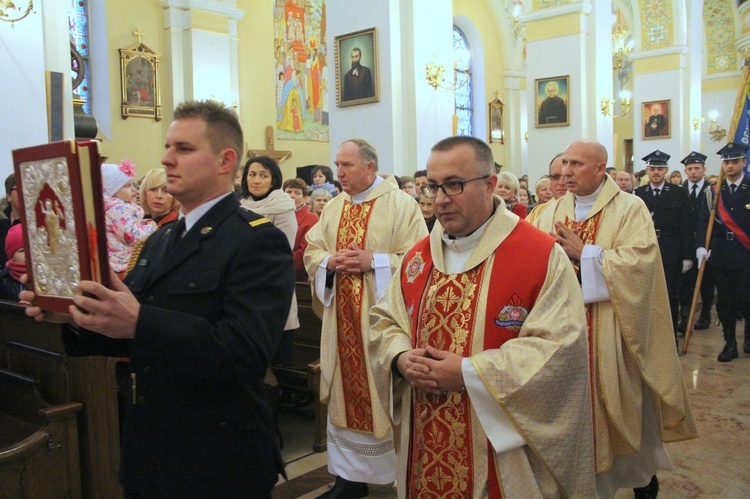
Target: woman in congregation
{"type": "Point", "coordinates": [158, 204]}
{"type": "Point", "coordinates": [322, 178]}
{"type": "Point", "coordinates": [262, 193]}
{"type": "Point", "coordinates": [524, 197]}
{"type": "Point", "coordinates": [318, 200]}
{"type": "Point", "coordinates": [675, 178]}
{"type": "Point", "coordinates": [507, 188]}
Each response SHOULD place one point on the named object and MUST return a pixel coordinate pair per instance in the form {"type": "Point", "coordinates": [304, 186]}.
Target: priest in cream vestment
{"type": "Point", "coordinates": [352, 252]}
{"type": "Point", "coordinates": [640, 399]}
{"type": "Point", "coordinates": [485, 322]}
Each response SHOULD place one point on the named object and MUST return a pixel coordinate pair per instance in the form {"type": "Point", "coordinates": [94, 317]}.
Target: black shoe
{"type": "Point", "coordinates": [702, 323]}
{"type": "Point", "coordinates": [729, 353]}
{"type": "Point", "coordinates": [746, 346]}
{"type": "Point", "coordinates": [650, 491]}
{"type": "Point", "coordinates": [344, 489]}
{"type": "Point", "coordinates": [681, 327]}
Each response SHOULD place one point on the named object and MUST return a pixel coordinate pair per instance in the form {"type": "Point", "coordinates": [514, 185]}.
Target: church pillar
{"type": "Point", "coordinates": [409, 116]}
{"type": "Point", "coordinates": [569, 30]}
{"type": "Point", "coordinates": [661, 78]}
{"type": "Point", "coordinates": [201, 51]}
{"type": "Point", "coordinates": [516, 124]}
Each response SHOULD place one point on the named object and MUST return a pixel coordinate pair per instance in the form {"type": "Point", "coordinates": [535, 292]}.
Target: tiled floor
{"type": "Point", "coordinates": [717, 464]}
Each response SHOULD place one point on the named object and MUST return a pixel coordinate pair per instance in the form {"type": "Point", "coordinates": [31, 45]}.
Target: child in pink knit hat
{"type": "Point", "coordinates": [15, 267]}
{"type": "Point", "coordinates": [123, 218]}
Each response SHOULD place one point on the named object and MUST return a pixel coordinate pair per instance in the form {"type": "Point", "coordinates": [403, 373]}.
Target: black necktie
{"type": "Point", "coordinates": [657, 192]}
{"type": "Point", "coordinates": [695, 191]}
{"type": "Point", "coordinates": [732, 188]}
{"type": "Point", "coordinates": [176, 234]}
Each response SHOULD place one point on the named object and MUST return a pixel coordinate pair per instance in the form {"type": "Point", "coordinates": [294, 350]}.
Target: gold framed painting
{"type": "Point", "coordinates": [656, 115]}
{"type": "Point", "coordinates": [552, 101]}
{"type": "Point", "coordinates": [139, 82]}
{"type": "Point", "coordinates": [496, 121]}
{"type": "Point", "coordinates": [357, 71]}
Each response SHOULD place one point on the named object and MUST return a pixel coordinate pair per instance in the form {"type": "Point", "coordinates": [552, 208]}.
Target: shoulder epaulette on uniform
{"type": "Point", "coordinates": [260, 221]}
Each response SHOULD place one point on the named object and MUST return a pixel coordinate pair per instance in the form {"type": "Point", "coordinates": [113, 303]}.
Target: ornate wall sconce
{"type": "Point", "coordinates": [435, 76]}
{"type": "Point", "coordinates": [621, 49]}
{"type": "Point", "coordinates": [714, 130]}
{"type": "Point", "coordinates": [608, 105]}
{"type": "Point", "coordinates": [6, 6]}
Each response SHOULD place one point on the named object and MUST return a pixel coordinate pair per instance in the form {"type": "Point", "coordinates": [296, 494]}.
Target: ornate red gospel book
{"type": "Point", "coordinates": [62, 209]}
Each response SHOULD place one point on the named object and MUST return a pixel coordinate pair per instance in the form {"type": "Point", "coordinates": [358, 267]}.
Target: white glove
{"type": "Point", "coordinates": [701, 254]}
{"type": "Point", "coordinates": [686, 265]}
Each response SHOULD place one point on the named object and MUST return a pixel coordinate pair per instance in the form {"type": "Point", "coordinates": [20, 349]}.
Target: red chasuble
{"type": "Point", "coordinates": [444, 310]}
{"type": "Point", "coordinates": [353, 229]}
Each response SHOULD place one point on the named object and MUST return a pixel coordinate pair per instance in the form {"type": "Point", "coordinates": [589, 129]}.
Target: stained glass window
{"type": "Point", "coordinates": [78, 24]}
{"type": "Point", "coordinates": [463, 97]}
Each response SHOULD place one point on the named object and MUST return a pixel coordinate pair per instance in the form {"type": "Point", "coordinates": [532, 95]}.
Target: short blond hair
{"type": "Point", "coordinates": [510, 180]}
{"type": "Point", "coordinates": [155, 177]}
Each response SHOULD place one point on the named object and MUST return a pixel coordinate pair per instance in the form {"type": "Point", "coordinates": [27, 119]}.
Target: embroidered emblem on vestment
{"type": "Point", "coordinates": [513, 314]}
{"type": "Point", "coordinates": [415, 267]}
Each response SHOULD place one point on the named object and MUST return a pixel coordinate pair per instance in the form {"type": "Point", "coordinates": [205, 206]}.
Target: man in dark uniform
{"type": "Point", "coordinates": [696, 185]}
{"type": "Point", "coordinates": [730, 246]}
{"type": "Point", "coordinates": [358, 81]}
{"type": "Point", "coordinates": [670, 209]}
{"type": "Point", "coordinates": [200, 317]}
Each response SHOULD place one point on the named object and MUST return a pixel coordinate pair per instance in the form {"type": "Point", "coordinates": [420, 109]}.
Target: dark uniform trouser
{"type": "Point", "coordinates": [672, 274]}
{"type": "Point", "coordinates": [733, 296]}
{"type": "Point", "coordinates": [687, 288]}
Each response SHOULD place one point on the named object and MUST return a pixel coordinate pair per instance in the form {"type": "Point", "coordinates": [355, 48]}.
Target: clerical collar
{"type": "Point", "coordinates": [584, 203]}
{"type": "Point", "coordinates": [465, 243]}
{"type": "Point", "coordinates": [660, 186]}
{"type": "Point", "coordinates": [359, 198]}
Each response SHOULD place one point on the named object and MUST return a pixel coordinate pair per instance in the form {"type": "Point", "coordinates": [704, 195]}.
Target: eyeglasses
{"type": "Point", "coordinates": [450, 188]}
{"type": "Point", "coordinates": [555, 177]}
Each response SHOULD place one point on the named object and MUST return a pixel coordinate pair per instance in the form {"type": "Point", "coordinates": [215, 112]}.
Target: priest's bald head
{"type": "Point", "coordinates": [584, 166]}
{"type": "Point", "coordinates": [461, 178]}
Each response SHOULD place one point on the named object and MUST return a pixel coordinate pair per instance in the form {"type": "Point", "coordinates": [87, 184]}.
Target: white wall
{"type": "Point", "coordinates": [663, 85]}
{"type": "Point", "coordinates": [721, 103]}
{"type": "Point", "coordinates": [374, 121]}
{"type": "Point", "coordinates": [22, 88]}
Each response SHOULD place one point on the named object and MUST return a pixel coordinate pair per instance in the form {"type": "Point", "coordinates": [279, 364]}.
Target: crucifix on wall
{"type": "Point", "coordinates": [269, 151]}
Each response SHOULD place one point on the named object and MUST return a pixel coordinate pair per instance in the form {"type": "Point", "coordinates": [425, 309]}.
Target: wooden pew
{"type": "Point", "coordinates": [38, 442]}
{"type": "Point", "coordinates": [304, 375]}
{"type": "Point", "coordinates": [34, 349]}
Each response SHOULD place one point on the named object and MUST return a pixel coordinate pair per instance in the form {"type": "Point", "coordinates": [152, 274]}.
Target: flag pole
{"type": "Point", "coordinates": [742, 95]}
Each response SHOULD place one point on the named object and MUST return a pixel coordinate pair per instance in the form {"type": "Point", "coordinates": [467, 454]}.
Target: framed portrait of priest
{"type": "Point", "coordinates": [357, 71]}
{"type": "Point", "coordinates": [552, 100]}
{"type": "Point", "coordinates": [655, 116]}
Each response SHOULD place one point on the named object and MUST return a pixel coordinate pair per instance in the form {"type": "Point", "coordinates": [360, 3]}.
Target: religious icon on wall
{"type": "Point", "coordinates": [301, 72]}
{"type": "Point", "coordinates": [655, 116]}
{"type": "Point", "coordinates": [552, 102]}
{"type": "Point", "coordinates": [357, 71]}
{"type": "Point", "coordinates": [139, 75]}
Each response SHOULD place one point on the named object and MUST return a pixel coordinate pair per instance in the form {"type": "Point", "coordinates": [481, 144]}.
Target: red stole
{"type": "Point", "coordinates": [353, 229]}
{"type": "Point", "coordinates": [444, 310]}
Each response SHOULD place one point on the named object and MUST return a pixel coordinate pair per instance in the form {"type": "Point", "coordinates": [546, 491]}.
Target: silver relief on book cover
{"type": "Point", "coordinates": [51, 227]}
